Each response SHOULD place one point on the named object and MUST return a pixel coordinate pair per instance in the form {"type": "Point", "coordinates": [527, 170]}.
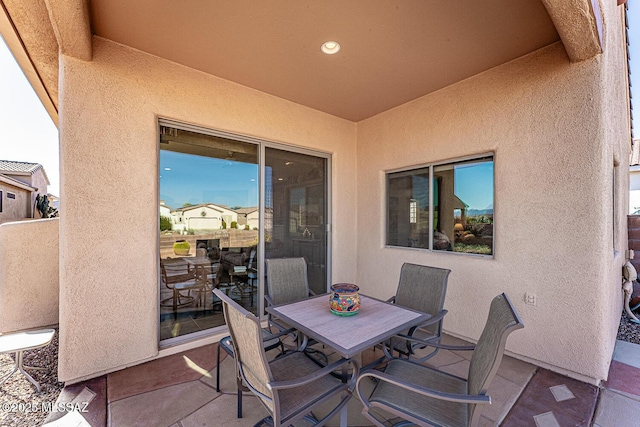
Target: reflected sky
{"type": "Point", "coordinates": [187, 178]}
{"type": "Point", "coordinates": [474, 184]}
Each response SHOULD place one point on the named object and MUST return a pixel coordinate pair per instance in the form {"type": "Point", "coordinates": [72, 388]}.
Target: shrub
{"type": "Point", "coordinates": [234, 224]}
{"type": "Point", "coordinates": [181, 247]}
{"type": "Point", "coordinates": [165, 223]}
{"type": "Point", "coordinates": [472, 249]}
{"type": "Point", "coordinates": [246, 227]}
{"type": "Point", "coordinates": [224, 224]}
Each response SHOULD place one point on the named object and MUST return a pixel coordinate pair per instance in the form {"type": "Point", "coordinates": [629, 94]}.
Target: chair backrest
{"type": "Point", "coordinates": [423, 288]}
{"type": "Point", "coordinates": [248, 347]}
{"type": "Point", "coordinates": [503, 319]}
{"type": "Point", "coordinates": [287, 280]}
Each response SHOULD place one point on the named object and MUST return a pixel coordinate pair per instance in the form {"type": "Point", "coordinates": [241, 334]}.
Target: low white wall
{"type": "Point", "coordinates": [29, 274]}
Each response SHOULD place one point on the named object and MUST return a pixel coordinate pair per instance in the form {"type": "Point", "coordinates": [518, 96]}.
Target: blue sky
{"type": "Point", "coordinates": [197, 179]}
{"type": "Point", "coordinates": [29, 133]}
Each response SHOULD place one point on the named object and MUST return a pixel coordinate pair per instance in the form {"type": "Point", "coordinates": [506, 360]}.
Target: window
{"type": "Point", "coordinates": [0, 201]}
{"type": "Point", "coordinates": [445, 207]}
{"type": "Point", "coordinates": [10, 195]}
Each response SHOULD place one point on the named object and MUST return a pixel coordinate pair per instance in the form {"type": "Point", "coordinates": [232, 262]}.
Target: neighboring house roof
{"type": "Point", "coordinates": [247, 211]}
{"type": "Point", "coordinates": [201, 205]}
{"type": "Point", "coordinates": [635, 153]}
{"type": "Point", "coordinates": [16, 183]}
{"type": "Point", "coordinates": [21, 168]}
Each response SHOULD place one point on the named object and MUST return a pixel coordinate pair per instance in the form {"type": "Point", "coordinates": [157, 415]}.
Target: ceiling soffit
{"type": "Point", "coordinates": [392, 51]}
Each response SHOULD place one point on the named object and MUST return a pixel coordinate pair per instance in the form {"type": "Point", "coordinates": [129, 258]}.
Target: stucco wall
{"type": "Point", "coordinates": [555, 130]}
{"type": "Point", "coordinates": [28, 274]}
{"type": "Point", "coordinates": [109, 151]}
{"type": "Point", "coordinates": [14, 209]}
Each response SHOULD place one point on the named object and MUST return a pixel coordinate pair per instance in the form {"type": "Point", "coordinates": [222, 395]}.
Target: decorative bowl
{"type": "Point", "coordinates": [344, 299]}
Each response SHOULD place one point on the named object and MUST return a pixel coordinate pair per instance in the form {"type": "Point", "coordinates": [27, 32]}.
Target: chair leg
{"type": "Point", "coordinates": [218, 369]}
{"type": "Point", "coordinates": [239, 398]}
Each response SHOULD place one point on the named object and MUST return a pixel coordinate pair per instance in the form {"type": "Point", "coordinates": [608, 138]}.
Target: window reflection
{"type": "Point", "coordinates": [209, 221]}
{"type": "Point", "coordinates": [462, 211]}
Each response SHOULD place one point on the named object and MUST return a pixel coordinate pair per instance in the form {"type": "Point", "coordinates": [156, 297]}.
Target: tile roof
{"type": "Point", "coordinates": [11, 166]}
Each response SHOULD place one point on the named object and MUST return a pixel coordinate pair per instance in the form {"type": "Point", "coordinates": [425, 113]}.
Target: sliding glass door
{"type": "Point", "coordinates": [213, 189]}
{"type": "Point", "coordinates": [296, 211]}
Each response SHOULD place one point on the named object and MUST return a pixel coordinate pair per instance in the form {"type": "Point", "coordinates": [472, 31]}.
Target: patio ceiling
{"type": "Point", "coordinates": [393, 51]}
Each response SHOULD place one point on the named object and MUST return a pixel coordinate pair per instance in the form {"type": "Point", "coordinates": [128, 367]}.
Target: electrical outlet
{"type": "Point", "coordinates": [530, 298]}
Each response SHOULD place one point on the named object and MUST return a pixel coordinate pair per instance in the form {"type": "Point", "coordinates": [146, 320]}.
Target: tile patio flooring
{"type": "Point", "coordinates": [179, 391]}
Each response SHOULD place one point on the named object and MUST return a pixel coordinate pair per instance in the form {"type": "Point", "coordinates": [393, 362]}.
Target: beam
{"type": "Point", "coordinates": [70, 21]}
{"type": "Point", "coordinates": [579, 24]}
{"type": "Point", "coordinates": [25, 28]}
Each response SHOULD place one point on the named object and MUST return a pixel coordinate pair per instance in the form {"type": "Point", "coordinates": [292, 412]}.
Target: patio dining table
{"type": "Point", "coordinates": [375, 322]}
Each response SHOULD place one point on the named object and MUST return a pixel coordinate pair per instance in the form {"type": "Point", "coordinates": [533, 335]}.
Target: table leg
{"type": "Point", "coordinates": [20, 367]}
{"type": "Point", "coordinates": [343, 411]}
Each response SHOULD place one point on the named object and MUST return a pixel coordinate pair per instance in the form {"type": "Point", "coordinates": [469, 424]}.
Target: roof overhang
{"type": "Point", "coordinates": [38, 30]}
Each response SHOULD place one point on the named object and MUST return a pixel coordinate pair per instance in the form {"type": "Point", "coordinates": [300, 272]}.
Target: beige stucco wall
{"type": "Point", "coordinates": [555, 128]}
{"type": "Point", "coordinates": [28, 274]}
{"type": "Point", "coordinates": [14, 209]}
{"type": "Point", "coordinates": [109, 150]}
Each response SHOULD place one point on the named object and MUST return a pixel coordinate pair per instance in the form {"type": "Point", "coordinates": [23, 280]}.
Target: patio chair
{"type": "Point", "coordinates": [287, 282]}
{"type": "Point", "coordinates": [270, 342]}
{"type": "Point", "coordinates": [427, 397]}
{"type": "Point", "coordinates": [420, 288]}
{"type": "Point", "coordinates": [290, 386]}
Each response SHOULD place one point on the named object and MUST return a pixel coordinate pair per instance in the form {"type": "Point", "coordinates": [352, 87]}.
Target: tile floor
{"type": "Point", "coordinates": [179, 391]}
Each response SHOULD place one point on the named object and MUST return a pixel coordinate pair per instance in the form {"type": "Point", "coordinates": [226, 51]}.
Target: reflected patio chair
{"type": "Point", "coordinates": [290, 386]}
{"type": "Point", "coordinates": [421, 288]}
{"type": "Point", "coordinates": [424, 396]}
{"type": "Point", "coordinates": [181, 280]}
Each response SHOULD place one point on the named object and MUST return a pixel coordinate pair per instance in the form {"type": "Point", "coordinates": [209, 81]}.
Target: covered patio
{"type": "Point", "coordinates": [535, 89]}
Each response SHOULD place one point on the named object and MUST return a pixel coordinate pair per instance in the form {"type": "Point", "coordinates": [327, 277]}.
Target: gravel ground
{"type": "Point", "coordinates": [20, 403]}
{"type": "Point", "coordinates": [629, 331]}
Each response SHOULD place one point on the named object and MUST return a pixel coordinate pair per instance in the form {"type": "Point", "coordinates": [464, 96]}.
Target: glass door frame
{"type": "Point", "coordinates": [262, 144]}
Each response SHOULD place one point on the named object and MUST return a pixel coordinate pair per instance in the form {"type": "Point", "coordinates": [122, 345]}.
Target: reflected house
{"type": "Point", "coordinates": [248, 216]}
{"type": "Point", "coordinates": [535, 90]}
{"type": "Point", "coordinates": [205, 216]}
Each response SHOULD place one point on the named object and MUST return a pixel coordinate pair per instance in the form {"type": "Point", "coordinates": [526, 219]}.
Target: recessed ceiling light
{"type": "Point", "coordinates": [330, 47]}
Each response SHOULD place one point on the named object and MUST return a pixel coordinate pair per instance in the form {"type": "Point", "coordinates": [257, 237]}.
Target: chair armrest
{"type": "Point", "coordinates": [436, 344]}
{"type": "Point", "coordinates": [435, 394]}
{"type": "Point", "coordinates": [269, 300]}
{"type": "Point", "coordinates": [278, 334]}
{"type": "Point", "coordinates": [327, 370]}
{"type": "Point", "coordinates": [432, 320]}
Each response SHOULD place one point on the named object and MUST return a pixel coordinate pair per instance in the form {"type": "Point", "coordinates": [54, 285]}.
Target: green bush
{"type": "Point", "coordinates": [181, 247]}
{"type": "Point", "coordinates": [234, 224]}
{"type": "Point", "coordinates": [224, 224]}
{"type": "Point", "coordinates": [246, 227]}
{"type": "Point", "coordinates": [472, 249]}
{"type": "Point", "coordinates": [165, 223]}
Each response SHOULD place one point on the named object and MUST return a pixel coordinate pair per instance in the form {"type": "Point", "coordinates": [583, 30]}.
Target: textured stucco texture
{"type": "Point", "coordinates": [556, 128]}
{"type": "Point", "coordinates": [109, 154]}
{"type": "Point", "coordinates": [28, 274]}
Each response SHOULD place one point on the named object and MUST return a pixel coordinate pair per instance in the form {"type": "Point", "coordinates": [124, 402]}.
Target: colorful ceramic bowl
{"type": "Point", "coordinates": [344, 299]}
